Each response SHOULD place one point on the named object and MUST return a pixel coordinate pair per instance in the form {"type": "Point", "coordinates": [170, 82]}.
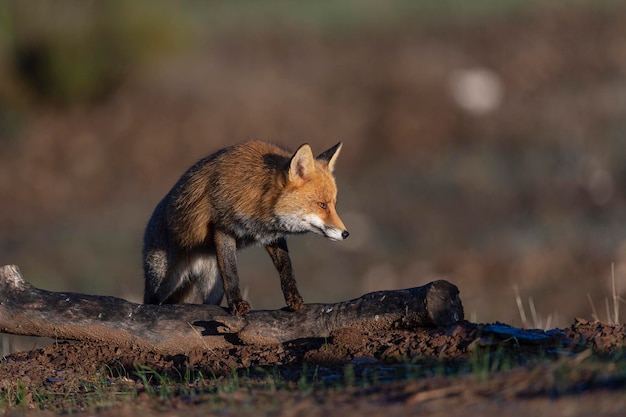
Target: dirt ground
{"type": "Point", "coordinates": [469, 369]}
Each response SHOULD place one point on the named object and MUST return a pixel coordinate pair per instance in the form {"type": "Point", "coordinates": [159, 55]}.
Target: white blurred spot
{"type": "Point", "coordinates": [477, 90]}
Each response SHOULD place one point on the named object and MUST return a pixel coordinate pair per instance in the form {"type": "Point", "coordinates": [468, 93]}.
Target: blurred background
{"type": "Point", "coordinates": [484, 142]}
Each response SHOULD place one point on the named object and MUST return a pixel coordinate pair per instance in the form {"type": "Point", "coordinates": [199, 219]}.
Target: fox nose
{"type": "Point", "coordinates": [345, 234]}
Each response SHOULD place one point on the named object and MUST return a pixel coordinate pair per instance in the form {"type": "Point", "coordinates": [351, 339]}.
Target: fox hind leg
{"type": "Point", "coordinates": [155, 267]}
{"type": "Point", "coordinates": [196, 279]}
{"type": "Point", "coordinates": [206, 279]}
{"type": "Point", "coordinates": [190, 278]}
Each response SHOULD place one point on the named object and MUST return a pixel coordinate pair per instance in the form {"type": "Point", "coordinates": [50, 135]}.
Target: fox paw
{"type": "Point", "coordinates": [294, 302]}
{"type": "Point", "coordinates": [240, 307]}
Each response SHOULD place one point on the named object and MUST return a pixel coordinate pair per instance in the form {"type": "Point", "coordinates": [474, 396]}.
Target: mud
{"type": "Point", "coordinates": [432, 370]}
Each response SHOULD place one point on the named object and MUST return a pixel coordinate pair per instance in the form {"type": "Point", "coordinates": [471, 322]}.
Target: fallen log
{"type": "Point", "coordinates": [179, 328]}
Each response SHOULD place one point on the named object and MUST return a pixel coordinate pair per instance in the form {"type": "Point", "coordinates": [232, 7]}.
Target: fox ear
{"type": "Point", "coordinates": [302, 164]}
{"type": "Point", "coordinates": [330, 156]}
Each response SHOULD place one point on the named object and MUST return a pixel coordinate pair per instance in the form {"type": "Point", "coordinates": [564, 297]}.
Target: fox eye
{"type": "Point", "coordinates": [323, 206]}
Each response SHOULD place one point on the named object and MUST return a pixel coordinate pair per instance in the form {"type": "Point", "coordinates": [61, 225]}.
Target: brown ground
{"type": "Point", "coordinates": [469, 369]}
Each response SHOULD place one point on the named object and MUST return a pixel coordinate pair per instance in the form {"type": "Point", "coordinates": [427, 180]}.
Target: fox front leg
{"type": "Point", "coordinates": [280, 256]}
{"type": "Point", "coordinates": [226, 251]}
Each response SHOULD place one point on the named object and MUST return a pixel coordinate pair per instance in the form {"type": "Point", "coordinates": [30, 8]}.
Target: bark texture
{"type": "Point", "coordinates": [180, 328]}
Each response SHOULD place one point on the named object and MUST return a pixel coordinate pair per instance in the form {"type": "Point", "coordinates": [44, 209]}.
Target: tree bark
{"type": "Point", "coordinates": [179, 328]}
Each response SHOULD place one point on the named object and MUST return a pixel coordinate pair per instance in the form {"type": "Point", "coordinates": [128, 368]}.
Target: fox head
{"type": "Point", "coordinates": [308, 201]}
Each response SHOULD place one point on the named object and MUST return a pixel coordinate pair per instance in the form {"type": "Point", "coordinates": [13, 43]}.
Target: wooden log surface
{"type": "Point", "coordinates": [172, 329]}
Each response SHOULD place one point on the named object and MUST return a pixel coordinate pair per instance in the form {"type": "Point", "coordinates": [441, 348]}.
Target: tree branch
{"type": "Point", "coordinates": [179, 328]}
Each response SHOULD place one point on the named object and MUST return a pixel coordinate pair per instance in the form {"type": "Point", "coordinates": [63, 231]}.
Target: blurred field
{"type": "Point", "coordinates": [483, 144]}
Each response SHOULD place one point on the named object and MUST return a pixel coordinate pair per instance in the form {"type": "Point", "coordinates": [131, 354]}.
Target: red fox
{"type": "Point", "coordinates": [249, 193]}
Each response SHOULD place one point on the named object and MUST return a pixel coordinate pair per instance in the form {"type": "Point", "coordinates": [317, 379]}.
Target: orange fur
{"type": "Point", "coordinates": [253, 192]}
